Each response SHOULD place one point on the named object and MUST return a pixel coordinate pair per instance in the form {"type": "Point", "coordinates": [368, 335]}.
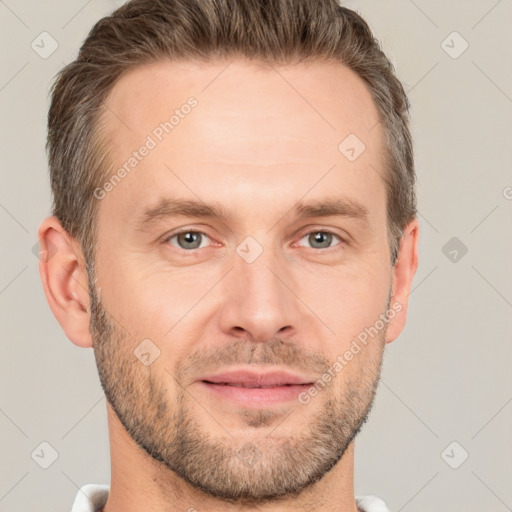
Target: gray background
{"type": "Point", "coordinates": [446, 379]}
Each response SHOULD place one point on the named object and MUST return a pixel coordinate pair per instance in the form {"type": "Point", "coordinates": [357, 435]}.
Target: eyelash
{"type": "Point", "coordinates": [325, 231]}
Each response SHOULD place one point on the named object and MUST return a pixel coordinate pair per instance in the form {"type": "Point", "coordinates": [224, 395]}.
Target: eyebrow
{"type": "Point", "coordinates": [168, 208]}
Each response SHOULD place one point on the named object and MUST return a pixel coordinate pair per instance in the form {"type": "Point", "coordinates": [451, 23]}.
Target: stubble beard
{"type": "Point", "coordinates": [251, 469]}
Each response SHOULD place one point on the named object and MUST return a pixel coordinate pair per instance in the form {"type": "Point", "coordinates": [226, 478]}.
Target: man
{"type": "Point", "coordinates": [235, 236]}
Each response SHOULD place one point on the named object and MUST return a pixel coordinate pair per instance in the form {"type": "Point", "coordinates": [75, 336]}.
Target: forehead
{"type": "Point", "coordinates": [253, 131]}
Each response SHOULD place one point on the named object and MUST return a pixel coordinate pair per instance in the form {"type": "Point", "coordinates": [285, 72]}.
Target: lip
{"type": "Point", "coordinates": [253, 379]}
{"type": "Point", "coordinates": [256, 397]}
{"type": "Point", "coordinates": [256, 389]}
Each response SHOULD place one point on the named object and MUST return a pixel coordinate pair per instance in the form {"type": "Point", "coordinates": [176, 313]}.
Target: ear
{"type": "Point", "coordinates": [403, 274]}
{"type": "Point", "coordinates": [65, 282]}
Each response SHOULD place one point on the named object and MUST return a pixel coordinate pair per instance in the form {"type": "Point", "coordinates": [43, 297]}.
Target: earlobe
{"type": "Point", "coordinates": [403, 275]}
{"type": "Point", "coordinates": [64, 278]}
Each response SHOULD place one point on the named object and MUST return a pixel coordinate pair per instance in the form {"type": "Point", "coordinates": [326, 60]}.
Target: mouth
{"type": "Point", "coordinates": [250, 378]}
{"type": "Point", "coordinates": [256, 389]}
{"type": "Point", "coordinates": [250, 386]}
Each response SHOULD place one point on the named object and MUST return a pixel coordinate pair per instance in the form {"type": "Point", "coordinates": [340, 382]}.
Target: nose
{"type": "Point", "coordinates": [259, 300]}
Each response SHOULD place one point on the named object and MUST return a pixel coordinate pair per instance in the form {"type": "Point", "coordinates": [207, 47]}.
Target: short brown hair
{"type": "Point", "coordinates": [271, 31]}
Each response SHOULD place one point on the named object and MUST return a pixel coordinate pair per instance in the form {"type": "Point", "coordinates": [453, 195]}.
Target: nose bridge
{"type": "Point", "coordinates": [256, 298]}
{"type": "Point", "coordinates": [261, 282]}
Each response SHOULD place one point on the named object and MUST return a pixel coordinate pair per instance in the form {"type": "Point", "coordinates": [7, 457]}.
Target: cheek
{"type": "Point", "coordinates": [155, 302]}
{"type": "Point", "coordinates": [347, 300]}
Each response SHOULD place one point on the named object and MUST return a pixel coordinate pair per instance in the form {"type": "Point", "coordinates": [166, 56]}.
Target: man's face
{"type": "Point", "coordinates": [265, 288]}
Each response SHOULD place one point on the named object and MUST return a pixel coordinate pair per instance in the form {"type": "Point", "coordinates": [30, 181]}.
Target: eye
{"type": "Point", "coordinates": [187, 240]}
{"type": "Point", "coordinates": [321, 239]}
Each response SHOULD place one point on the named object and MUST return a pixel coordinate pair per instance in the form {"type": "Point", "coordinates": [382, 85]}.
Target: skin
{"type": "Point", "coordinates": [297, 306]}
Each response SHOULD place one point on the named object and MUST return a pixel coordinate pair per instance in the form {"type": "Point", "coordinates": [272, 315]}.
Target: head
{"type": "Point", "coordinates": [233, 188]}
